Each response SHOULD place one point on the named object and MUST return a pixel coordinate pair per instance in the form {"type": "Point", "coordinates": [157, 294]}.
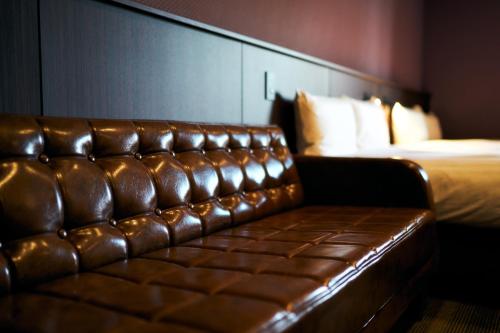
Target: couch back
{"type": "Point", "coordinates": [76, 194]}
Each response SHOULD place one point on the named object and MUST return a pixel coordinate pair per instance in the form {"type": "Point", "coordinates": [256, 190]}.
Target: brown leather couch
{"type": "Point", "coordinates": [143, 226]}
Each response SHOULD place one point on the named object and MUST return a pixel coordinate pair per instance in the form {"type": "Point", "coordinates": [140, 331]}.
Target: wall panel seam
{"type": "Point", "coordinates": [241, 84]}
{"type": "Point", "coordinates": [40, 74]}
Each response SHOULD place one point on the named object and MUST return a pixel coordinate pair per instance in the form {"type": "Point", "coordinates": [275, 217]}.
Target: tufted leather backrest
{"type": "Point", "coordinates": [76, 194]}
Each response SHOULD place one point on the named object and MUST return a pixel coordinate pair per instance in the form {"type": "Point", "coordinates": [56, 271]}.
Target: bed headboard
{"type": "Point", "coordinates": [407, 97]}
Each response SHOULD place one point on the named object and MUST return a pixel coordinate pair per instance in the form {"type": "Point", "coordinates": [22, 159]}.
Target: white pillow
{"type": "Point", "coordinates": [325, 125]}
{"type": "Point", "coordinates": [371, 122]}
{"type": "Point", "coordinates": [408, 125]}
{"type": "Point", "coordinates": [433, 127]}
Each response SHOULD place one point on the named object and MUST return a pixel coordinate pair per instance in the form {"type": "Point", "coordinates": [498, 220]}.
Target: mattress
{"type": "Point", "coordinates": [464, 176]}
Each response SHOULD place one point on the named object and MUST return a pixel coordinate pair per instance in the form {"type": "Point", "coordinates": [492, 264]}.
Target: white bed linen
{"type": "Point", "coordinates": [464, 176]}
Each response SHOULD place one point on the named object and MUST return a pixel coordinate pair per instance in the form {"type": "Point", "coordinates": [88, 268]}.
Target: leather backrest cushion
{"type": "Point", "coordinates": [76, 194]}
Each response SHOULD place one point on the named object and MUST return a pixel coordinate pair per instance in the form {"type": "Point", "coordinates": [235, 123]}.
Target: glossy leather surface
{"type": "Point", "coordinates": [365, 181]}
{"type": "Point", "coordinates": [113, 225]}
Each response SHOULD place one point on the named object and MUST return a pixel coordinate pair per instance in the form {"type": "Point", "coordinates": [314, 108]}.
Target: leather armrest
{"type": "Point", "coordinates": [381, 182]}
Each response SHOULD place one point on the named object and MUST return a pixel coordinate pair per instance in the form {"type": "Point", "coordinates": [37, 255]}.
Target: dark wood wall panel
{"type": "Point", "coordinates": [102, 60]}
{"type": "Point", "coordinates": [19, 57]}
{"type": "Point", "coordinates": [109, 59]}
{"type": "Point", "coordinates": [289, 73]}
{"type": "Point", "coordinates": [352, 86]}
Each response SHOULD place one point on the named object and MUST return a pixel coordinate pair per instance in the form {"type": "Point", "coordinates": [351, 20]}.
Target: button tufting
{"type": "Point", "coordinates": [172, 153]}
{"type": "Point", "coordinates": [251, 151]}
{"type": "Point", "coordinates": [138, 156]}
{"type": "Point", "coordinates": [203, 151]}
{"type": "Point", "coordinates": [43, 158]}
{"type": "Point", "coordinates": [62, 233]}
{"type": "Point", "coordinates": [1, 245]}
{"type": "Point", "coordinates": [112, 222]}
{"type": "Point", "coordinates": [219, 199]}
{"type": "Point", "coordinates": [228, 150]}
{"type": "Point", "coordinates": [91, 158]}
{"type": "Point", "coordinates": [190, 205]}
{"type": "Point", "coordinates": [158, 211]}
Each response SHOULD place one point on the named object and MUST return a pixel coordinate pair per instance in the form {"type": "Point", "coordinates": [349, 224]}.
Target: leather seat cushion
{"type": "Point", "coordinates": [265, 274]}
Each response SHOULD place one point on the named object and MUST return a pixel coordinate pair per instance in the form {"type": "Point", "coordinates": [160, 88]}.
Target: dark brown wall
{"type": "Point", "coordinates": [379, 37]}
{"type": "Point", "coordinates": [462, 65]}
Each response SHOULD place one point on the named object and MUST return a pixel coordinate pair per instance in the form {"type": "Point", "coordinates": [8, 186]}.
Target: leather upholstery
{"type": "Point", "coordinates": [169, 226]}
{"type": "Point", "coordinates": [365, 181]}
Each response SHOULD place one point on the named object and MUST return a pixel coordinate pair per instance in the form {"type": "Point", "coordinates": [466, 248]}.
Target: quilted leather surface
{"type": "Point", "coordinates": [78, 194]}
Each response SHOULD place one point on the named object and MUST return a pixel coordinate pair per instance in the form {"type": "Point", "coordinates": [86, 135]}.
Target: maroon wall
{"type": "Point", "coordinates": [379, 37]}
{"type": "Point", "coordinates": [462, 65]}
